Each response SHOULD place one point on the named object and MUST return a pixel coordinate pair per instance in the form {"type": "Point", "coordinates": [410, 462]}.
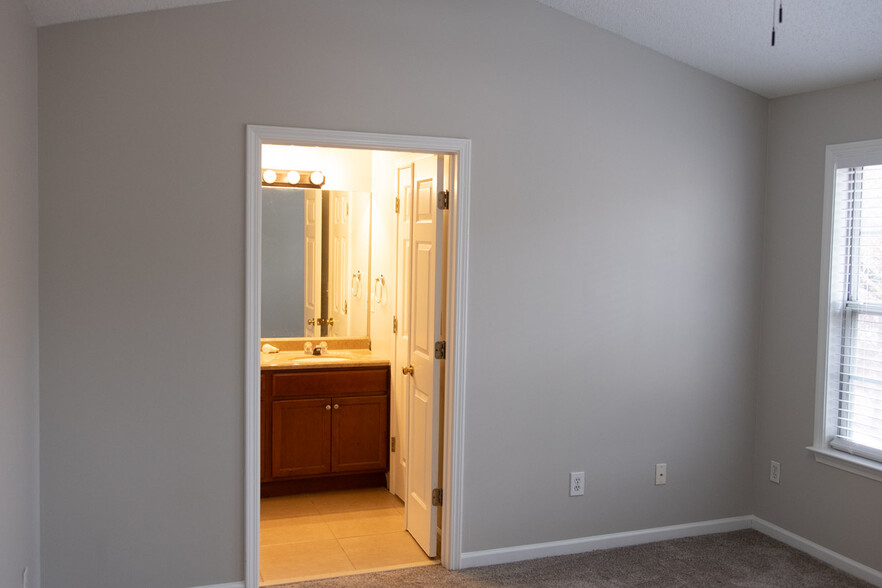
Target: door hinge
{"type": "Point", "coordinates": [394, 325]}
{"type": "Point", "coordinates": [440, 349]}
{"type": "Point", "coordinates": [443, 199]}
{"type": "Point", "coordinates": [397, 205]}
{"type": "Point", "coordinates": [392, 445]}
{"type": "Point", "coordinates": [437, 497]}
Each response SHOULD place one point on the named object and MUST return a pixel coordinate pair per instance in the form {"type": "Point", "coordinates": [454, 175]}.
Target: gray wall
{"type": "Point", "coordinates": [834, 508]}
{"type": "Point", "coordinates": [19, 352]}
{"type": "Point", "coordinates": [613, 307]}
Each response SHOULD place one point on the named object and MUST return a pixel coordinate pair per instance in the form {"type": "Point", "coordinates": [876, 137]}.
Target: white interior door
{"type": "Point", "coordinates": [425, 326]}
{"type": "Point", "coordinates": [339, 279]}
{"type": "Point", "coordinates": [398, 474]}
{"type": "Point", "coordinates": [312, 261]}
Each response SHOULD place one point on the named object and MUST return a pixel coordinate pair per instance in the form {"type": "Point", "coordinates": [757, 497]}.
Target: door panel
{"type": "Point", "coordinates": [339, 282]}
{"type": "Point", "coordinates": [425, 325]}
{"type": "Point", "coordinates": [312, 261]}
{"type": "Point", "coordinates": [402, 340]}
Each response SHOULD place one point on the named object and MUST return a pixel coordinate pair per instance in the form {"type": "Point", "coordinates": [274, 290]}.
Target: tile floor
{"type": "Point", "coordinates": [308, 536]}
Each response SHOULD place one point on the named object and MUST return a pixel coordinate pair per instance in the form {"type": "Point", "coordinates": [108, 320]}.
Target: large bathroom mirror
{"type": "Point", "coordinates": [315, 263]}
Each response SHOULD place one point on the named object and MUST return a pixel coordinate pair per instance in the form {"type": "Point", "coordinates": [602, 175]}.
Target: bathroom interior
{"type": "Point", "coordinates": [344, 283]}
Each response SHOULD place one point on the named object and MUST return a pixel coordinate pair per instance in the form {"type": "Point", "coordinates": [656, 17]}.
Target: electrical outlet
{"type": "Point", "coordinates": [661, 474]}
{"type": "Point", "coordinates": [577, 483]}
{"type": "Point", "coordinates": [775, 471]}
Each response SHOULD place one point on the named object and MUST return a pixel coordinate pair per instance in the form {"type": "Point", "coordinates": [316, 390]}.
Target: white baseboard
{"type": "Point", "coordinates": [489, 557]}
{"type": "Point", "coordinates": [849, 566]}
{"type": "Point", "coordinates": [583, 544]}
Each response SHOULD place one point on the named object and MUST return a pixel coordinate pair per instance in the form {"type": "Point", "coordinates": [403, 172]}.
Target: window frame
{"type": "Point", "coordinates": [845, 155]}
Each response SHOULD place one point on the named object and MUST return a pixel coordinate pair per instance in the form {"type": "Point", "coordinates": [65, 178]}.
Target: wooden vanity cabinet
{"type": "Point", "coordinates": [359, 433]}
{"type": "Point", "coordinates": [325, 429]}
{"type": "Point", "coordinates": [301, 437]}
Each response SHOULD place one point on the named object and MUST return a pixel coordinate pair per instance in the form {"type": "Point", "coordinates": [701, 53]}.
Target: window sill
{"type": "Point", "coordinates": [850, 463]}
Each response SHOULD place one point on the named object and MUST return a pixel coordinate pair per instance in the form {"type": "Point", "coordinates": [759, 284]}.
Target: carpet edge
{"type": "Point", "coordinates": [828, 556]}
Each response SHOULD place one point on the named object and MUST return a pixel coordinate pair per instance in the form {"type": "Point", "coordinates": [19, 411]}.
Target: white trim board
{"type": "Point", "coordinates": [229, 585]}
{"type": "Point", "coordinates": [455, 320]}
{"type": "Point", "coordinates": [628, 538]}
{"type": "Point", "coordinates": [828, 556]}
{"type": "Point", "coordinates": [584, 544]}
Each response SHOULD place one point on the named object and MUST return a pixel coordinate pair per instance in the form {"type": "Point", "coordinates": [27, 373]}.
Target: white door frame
{"type": "Point", "coordinates": [455, 320]}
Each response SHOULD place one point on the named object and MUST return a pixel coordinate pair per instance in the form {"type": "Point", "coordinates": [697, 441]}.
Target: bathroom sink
{"type": "Point", "coordinates": [320, 359]}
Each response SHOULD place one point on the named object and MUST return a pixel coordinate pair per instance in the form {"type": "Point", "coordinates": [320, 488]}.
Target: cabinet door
{"type": "Point", "coordinates": [301, 433]}
{"type": "Point", "coordinates": [360, 433]}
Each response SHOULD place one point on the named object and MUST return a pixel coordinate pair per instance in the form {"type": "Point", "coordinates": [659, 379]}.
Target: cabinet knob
{"type": "Point", "coordinates": [407, 371]}
{"type": "Point", "coordinates": [336, 406]}
{"type": "Point", "coordinates": [328, 407]}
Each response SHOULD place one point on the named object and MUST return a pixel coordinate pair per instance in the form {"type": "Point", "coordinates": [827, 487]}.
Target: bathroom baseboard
{"type": "Point", "coordinates": [584, 544]}
{"type": "Point", "coordinates": [229, 585]}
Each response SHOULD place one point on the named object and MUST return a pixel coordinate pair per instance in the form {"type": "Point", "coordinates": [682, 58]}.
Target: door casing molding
{"type": "Point", "coordinates": [455, 319]}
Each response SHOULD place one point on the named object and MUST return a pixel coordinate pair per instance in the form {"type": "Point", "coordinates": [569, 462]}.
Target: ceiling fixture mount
{"type": "Point", "coordinates": [780, 16]}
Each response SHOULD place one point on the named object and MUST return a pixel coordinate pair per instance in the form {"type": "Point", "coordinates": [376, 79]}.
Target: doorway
{"type": "Point", "coordinates": [452, 290]}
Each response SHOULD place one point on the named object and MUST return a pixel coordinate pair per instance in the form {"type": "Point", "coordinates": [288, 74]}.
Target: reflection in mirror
{"type": "Point", "coordinates": [315, 263]}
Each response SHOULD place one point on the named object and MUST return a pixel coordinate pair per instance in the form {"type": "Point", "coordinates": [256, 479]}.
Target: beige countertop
{"type": "Point", "coordinates": [335, 358]}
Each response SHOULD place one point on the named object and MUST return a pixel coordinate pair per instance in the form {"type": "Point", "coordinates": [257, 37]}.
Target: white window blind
{"type": "Point", "coordinates": [855, 341]}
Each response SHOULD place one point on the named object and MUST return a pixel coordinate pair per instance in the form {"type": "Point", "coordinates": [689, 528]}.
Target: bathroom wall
{"type": "Point", "coordinates": [19, 352]}
{"type": "Point", "coordinates": [347, 170]}
{"type": "Point", "coordinates": [344, 169]}
{"type": "Point", "coordinates": [360, 262]}
{"type": "Point", "coordinates": [614, 267]}
{"type": "Point", "coordinates": [832, 507]}
{"type": "Point", "coordinates": [384, 243]}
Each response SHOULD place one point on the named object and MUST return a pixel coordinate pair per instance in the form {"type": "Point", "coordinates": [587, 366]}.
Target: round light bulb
{"type": "Point", "coordinates": [293, 177]}
{"type": "Point", "coordinates": [269, 176]}
{"type": "Point", "coordinates": [317, 178]}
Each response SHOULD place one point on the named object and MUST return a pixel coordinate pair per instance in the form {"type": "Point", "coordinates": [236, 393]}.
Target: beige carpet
{"type": "Point", "coordinates": [745, 559]}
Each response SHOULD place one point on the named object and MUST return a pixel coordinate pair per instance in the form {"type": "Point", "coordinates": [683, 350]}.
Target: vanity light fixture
{"type": "Point", "coordinates": [283, 178]}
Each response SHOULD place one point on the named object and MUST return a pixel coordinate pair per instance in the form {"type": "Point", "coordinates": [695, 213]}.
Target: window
{"type": "Point", "coordinates": [849, 427]}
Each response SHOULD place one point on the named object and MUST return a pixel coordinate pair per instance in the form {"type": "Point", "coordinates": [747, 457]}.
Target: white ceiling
{"type": "Point", "coordinates": [48, 12]}
{"type": "Point", "coordinates": [820, 43]}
